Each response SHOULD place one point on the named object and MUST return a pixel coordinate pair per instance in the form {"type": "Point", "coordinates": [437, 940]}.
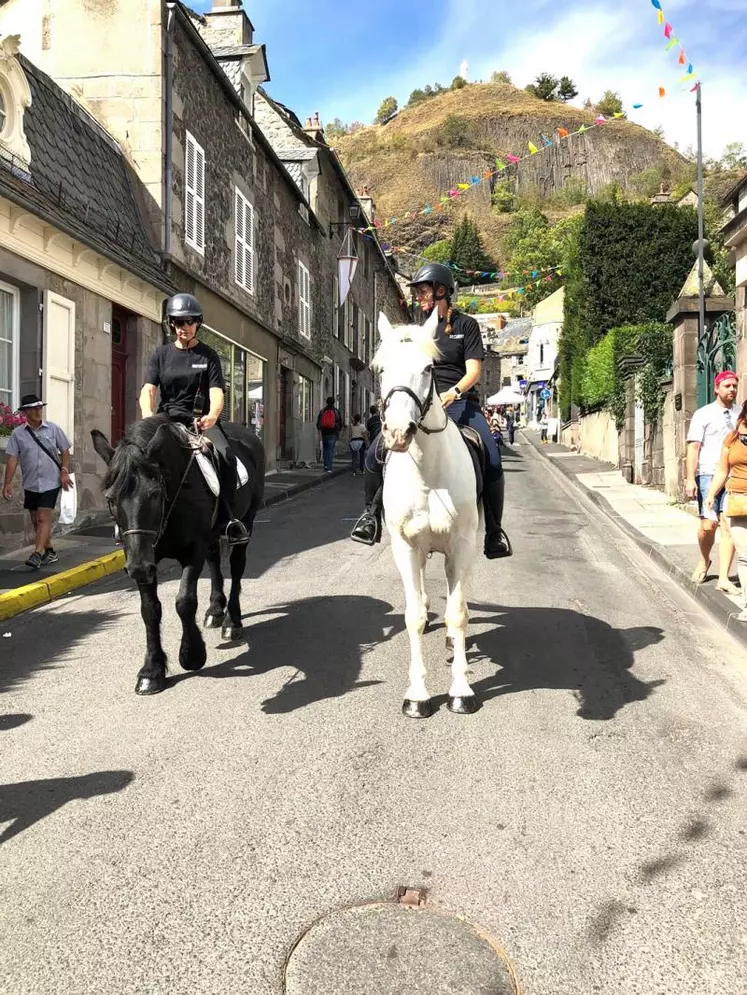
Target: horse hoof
{"type": "Point", "coordinates": [150, 685]}
{"type": "Point", "coordinates": [197, 664]}
{"type": "Point", "coordinates": [230, 633]}
{"type": "Point", "coordinates": [463, 705]}
{"type": "Point", "coordinates": [417, 709]}
{"type": "Point", "coordinates": [214, 621]}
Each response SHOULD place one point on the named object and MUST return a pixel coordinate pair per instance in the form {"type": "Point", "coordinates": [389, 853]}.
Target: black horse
{"type": "Point", "coordinates": [164, 508]}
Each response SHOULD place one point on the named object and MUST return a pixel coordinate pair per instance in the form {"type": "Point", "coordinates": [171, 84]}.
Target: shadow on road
{"type": "Point", "coordinates": [324, 638]}
{"type": "Point", "coordinates": [13, 721]}
{"type": "Point", "coordinates": [25, 803]}
{"type": "Point", "coordinates": [564, 649]}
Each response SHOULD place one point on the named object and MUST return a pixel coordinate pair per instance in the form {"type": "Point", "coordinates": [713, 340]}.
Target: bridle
{"type": "Point", "coordinates": [423, 406]}
{"type": "Point", "coordinates": [158, 533]}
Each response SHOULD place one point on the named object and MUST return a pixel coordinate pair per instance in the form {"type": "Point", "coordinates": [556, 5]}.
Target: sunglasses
{"type": "Point", "coordinates": [183, 322]}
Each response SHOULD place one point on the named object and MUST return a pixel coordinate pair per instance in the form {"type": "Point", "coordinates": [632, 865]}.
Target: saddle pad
{"type": "Point", "coordinates": [208, 472]}
{"type": "Point", "coordinates": [242, 472]}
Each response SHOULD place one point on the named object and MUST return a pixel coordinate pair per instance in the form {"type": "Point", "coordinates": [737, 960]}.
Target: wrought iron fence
{"type": "Point", "coordinates": [717, 351]}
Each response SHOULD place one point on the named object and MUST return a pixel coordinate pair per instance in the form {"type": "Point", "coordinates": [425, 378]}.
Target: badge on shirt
{"type": "Point", "coordinates": [199, 366]}
{"type": "Point", "coordinates": [456, 335]}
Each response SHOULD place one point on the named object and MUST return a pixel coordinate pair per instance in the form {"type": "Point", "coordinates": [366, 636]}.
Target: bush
{"type": "Point", "coordinates": [455, 132]}
{"type": "Point", "coordinates": [458, 83]}
{"type": "Point", "coordinates": [610, 104]}
{"type": "Point", "coordinates": [9, 420]}
{"type": "Point", "coordinates": [574, 192]}
{"type": "Point", "coordinates": [438, 252]}
{"type": "Point", "coordinates": [386, 111]}
{"type": "Point", "coordinates": [503, 199]}
{"type": "Point", "coordinates": [648, 182]}
{"type": "Point", "coordinates": [467, 251]}
{"type": "Point", "coordinates": [501, 76]}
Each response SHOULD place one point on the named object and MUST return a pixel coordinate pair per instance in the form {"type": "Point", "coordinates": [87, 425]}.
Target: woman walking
{"type": "Point", "coordinates": [358, 437]}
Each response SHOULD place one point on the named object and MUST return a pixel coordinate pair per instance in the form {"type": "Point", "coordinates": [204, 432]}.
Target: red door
{"type": "Point", "coordinates": [119, 373]}
{"type": "Point", "coordinates": [282, 412]}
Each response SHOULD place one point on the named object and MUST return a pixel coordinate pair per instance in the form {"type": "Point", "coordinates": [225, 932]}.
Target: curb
{"type": "Point", "coordinates": [721, 610]}
{"type": "Point", "coordinates": [43, 591]}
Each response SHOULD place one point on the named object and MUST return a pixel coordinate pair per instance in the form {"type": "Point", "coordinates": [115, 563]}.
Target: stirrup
{"type": "Point", "coordinates": [502, 553]}
{"type": "Point", "coordinates": [367, 518]}
{"type": "Point", "coordinates": [235, 533]}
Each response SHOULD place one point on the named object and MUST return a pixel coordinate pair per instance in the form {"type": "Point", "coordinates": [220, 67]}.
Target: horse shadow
{"type": "Point", "coordinates": [28, 802]}
{"type": "Point", "coordinates": [324, 638]}
{"type": "Point", "coordinates": [562, 649]}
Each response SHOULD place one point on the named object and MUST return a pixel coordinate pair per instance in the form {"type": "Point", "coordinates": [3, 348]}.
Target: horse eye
{"type": "Point", "coordinates": [428, 369]}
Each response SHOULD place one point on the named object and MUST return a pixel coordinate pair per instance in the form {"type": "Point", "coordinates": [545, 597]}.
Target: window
{"type": "Point", "coordinates": [3, 113]}
{"type": "Point", "coordinates": [306, 399]}
{"type": "Point", "coordinates": [194, 208]}
{"type": "Point", "coordinates": [9, 335]}
{"type": "Point", "coordinates": [244, 220]}
{"type": "Point", "coordinates": [245, 376]}
{"type": "Point", "coordinates": [304, 301]}
{"type": "Point", "coordinates": [350, 324]}
{"type": "Point", "coordinates": [542, 353]}
{"type": "Point", "coordinates": [335, 304]}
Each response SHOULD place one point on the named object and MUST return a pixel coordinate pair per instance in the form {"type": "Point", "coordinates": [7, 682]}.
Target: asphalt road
{"type": "Point", "coordinates": [591, 817]}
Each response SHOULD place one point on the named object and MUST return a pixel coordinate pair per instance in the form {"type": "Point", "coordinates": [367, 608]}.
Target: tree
{"type": "Point", "coordinates": [610, 104]}
{"type": "Point", "coordinates": [544, 87]}
{"type": "Point", "coordinates": [417, 97]}
{"type": "Point", "coordinates": [458, 83]}
{"type": "Point", "coordinates": [335, 129]}
{"type": "Point", "coordinates": [455, 132]}
{"type": "Point", "coordinates": [467, 252]}
{"type": "Point", "coordinates": [734, 157]}
{"type": "Point", "coordinates": [533, 246]}
{"type": "Point", "coordinates": [566, 89]}
{"type": "Point", "coordinates": [501, 76]}
{"type": "Point", "coordinates": [386, 111]}
{"type": "Point", "coordinates": [658, 131]}
{"type": "Point", "coordinates": [438, 252]}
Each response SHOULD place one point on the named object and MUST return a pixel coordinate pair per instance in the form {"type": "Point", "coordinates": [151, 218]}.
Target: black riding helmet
{"type": "Point", "coordinates": [183, 306]}
{"type": "Point", "coordinates": [435, 274]}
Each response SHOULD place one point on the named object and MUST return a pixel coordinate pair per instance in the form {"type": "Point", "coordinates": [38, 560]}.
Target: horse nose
{"type": "Point", "coordinates": [142, 573]}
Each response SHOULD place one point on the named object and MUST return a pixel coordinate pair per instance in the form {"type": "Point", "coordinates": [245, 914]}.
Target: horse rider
{"type": "Point", "coordinates": [456, 371]}
{"type": "Point", "coordinates": [187, 372]}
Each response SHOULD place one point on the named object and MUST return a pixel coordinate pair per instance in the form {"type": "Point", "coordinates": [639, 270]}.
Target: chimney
{"type": "Point", "coordinates": [227, 23]}
{"type": "Point", "coordinates": [313, 128]}
{"type": "Point", "coordinates": [367, 203]}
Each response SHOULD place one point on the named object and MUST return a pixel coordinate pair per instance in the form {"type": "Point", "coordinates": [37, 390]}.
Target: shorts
{"type": "Point", "coordinates": [703, 482]}
{"type": "Point", "coordinates": [33, 500]}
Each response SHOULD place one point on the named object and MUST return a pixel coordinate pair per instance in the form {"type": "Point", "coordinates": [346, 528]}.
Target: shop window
{"type": "Point", "coordinates": [9, 339]}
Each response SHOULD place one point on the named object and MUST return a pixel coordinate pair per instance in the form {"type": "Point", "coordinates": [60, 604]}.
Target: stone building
{"type": "Point", "coordinates": [81, 283]}
{"type": "Point", "coordinates": [236, 222]}
{"type": "Point", "coordinates": [735, 237]}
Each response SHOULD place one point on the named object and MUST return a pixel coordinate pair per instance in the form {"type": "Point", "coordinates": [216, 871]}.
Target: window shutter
{"type": "Point", "coordinates": [59, 361]}
{"type": "Point", "coordinates": [304, 301]}
{"type": "Point", "coordinates": [194, 200]}
{"type": "Point", "coordinates": [239, 250]}
{"type": "Point", "coordinates": [244, 249]}
{"type": "Point", "coordinates": [249, 249]}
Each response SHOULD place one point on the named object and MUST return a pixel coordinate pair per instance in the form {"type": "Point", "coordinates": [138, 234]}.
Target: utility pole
{"type": "Point", "coordinates": [701, 243]}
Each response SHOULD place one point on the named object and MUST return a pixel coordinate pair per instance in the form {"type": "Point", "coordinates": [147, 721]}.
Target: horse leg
{"type": "Point", "coordinates": [192, 652]}
{"type": "Point", "coordinates": [217, 608]}
{"type": "Point", "coordinates": [462, 698]}
{"type": "Point", "coordinates": [151, 677]}
{"type": "Point", "coordinates": [426, 599]}
{"type": "Point", "coordinates": [238, 563]}
{"type": "Point", "coordinates": [417, 703]}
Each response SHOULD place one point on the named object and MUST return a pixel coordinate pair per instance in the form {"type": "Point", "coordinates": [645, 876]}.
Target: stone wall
{"type": "Point", "coordinates": [598, 437]}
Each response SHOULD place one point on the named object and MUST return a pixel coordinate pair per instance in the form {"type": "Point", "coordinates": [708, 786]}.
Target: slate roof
{"type": "Point", "coordinates": [509, 338]}
{"type": "Point", "coordinates": [78, 179]}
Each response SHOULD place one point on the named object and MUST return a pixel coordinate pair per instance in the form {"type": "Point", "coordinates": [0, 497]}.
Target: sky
{"type": "Point", "coordinates": [342, 59]}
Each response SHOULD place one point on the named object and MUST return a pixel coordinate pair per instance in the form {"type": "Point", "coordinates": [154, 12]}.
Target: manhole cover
{"type": "Point", "coordinates": [387, 949]}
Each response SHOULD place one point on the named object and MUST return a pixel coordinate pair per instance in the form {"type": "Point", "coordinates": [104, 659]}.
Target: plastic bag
{"type": "Point", "coordinates": [69, 503]}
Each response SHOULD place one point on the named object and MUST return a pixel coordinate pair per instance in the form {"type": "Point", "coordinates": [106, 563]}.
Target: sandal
{"type": "Point", "coordinates": [700, 573]}
{"type": "Point", "coordinates": [728, 588]}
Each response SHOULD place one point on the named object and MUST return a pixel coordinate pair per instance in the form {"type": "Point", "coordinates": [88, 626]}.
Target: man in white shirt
{"type": "Point", "coordinates": [709, 428]}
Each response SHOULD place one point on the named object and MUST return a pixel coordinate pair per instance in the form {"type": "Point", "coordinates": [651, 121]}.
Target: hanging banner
{"type": "Point", "coordinates": [347, 263]}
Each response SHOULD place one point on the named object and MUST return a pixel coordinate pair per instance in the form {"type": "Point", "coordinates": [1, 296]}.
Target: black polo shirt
{"type": "Point", "coordinates": [181, 373]}
{"type": "Point", "coordinates": [465, 342]}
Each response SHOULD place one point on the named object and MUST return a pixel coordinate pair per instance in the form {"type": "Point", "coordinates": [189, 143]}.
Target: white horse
{"type": "Point", "coordinates": [430, 501]}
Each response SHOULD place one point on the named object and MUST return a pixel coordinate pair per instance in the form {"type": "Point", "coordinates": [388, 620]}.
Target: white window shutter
{"type": "Point", "coordinates": [59, 361]}
{"type": "Point", "coordinates": [194, 205]}
{"type": "Point", "coordinates": [249, 251]}
{"type": "Point", "coordinates": [239, 250]}
{"type": "Point", "coordinates": [304, 301]}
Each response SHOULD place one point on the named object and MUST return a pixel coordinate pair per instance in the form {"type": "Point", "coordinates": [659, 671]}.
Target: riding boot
{"type": "Point", "coordinates": [232, 528]}
{"type": "Point", "coordinates": [497, 543]}
{"type": "Point", "coordinates": [367, 529]}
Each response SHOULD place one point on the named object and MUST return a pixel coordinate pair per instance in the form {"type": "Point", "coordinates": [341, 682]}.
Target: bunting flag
{"type": "Point", "coordinates": [533, 150]}
{"type": "Point", "coordinates": [563, 132]}
{"type": "Point", "coordinates": [672, 42]}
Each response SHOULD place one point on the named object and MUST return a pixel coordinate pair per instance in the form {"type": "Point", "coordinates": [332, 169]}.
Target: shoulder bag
{"type": "Point", "coordinates": [44, 448]}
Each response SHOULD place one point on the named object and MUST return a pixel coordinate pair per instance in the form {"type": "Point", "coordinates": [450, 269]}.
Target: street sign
{"type": "Point", "coordinates": [546, 394]}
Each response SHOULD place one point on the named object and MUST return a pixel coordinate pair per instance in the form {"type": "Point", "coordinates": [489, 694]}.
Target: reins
{"type": "Point", "coordinates": [423, 406]}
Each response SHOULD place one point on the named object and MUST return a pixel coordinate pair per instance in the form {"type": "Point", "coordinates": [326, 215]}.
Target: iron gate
{"type": "Point", "coordinates": [717, 351]}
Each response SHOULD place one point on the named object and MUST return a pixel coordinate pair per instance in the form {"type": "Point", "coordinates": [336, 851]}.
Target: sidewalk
{"type": "Point", "coordinates": [662, 529]}
{"type": "Point", "coordinates": [90, 554]}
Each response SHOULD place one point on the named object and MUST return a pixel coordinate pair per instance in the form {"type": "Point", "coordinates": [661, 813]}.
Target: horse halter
{"type": "Point", "coordinates": [165, 513]}
{"type": "Point", "coordinates": [423, 406]}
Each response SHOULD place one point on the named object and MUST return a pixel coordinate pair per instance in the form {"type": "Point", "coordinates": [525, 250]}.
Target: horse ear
{"type": "Point", "coordinates": [385, 325]}
{"type": "Point", "coordinates": [102, 446]}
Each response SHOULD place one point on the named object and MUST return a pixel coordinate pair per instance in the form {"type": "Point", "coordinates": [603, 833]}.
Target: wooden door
{"type": "Point", "coordinates": [282, 413]}
{"type": "Point", "coordinates": [119, 373]}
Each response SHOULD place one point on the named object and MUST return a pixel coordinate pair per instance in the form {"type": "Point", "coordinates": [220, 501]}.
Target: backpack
{"type": "Point", "coordinates": [328, 421]}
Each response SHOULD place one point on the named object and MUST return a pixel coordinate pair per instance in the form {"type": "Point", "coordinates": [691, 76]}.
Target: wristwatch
{"type": "Point", "coordinates": [458, 393]}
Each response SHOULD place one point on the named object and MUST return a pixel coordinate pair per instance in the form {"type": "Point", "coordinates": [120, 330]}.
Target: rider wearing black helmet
{"type": "Point", "coordinates": [457, 370]}
{"type": "Point", "coordinates": [187, 372]}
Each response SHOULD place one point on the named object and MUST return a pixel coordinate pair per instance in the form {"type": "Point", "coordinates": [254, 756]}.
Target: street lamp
{"type": "Point", "coordinates": [354, 216]}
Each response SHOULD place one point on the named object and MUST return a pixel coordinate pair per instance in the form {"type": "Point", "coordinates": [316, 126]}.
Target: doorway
{"type": "Point", "coordinates": [120, 321]}
{"type": "Point", "coordinates": [285, 395]}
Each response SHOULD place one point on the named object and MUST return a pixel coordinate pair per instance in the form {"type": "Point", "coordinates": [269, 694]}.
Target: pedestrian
{"type": "Point", "coordinates": [544, 426]}
{"type": "Point", "coordinates": [329, 423]}
{"type": "Point", "coordinates": [43, 450]}
{"type": "Point", "coordinates": [373, 425]}
{"type": "Point", "coordinates": [511, 425]}
{"type": "Point", "coordinates": [732, 472]}
{"type": "Point", "coordinates": [709, 428]}
{"type": "Point", "coordinates": [455, 375]}
{"type": "Point", "coordinates": [358, 438]}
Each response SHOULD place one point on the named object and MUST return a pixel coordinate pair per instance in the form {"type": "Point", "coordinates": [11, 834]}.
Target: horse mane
{"type": "Point", "coordinates": [131, 461]}
{"type": "Point", "coordinates": [389, 350]}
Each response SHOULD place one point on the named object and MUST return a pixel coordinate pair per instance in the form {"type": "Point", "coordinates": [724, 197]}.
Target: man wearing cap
{"type": "Point", "coordinates": [43, 450]}
{"type": "Point", "coordinates": [709, 428]}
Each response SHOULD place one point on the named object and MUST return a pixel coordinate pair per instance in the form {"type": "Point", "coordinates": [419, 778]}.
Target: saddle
{"type": "Point", "coordinates": [208, 459]}
{"type": "Point", "coordinates": [476, 448]}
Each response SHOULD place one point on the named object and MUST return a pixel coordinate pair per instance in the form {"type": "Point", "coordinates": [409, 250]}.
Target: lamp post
{"type": "Point", "coordinates": [701, 244]}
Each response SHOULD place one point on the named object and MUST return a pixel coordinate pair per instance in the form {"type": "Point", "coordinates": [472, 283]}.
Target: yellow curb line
{"type": "Point", "coordinates": [31, 595]}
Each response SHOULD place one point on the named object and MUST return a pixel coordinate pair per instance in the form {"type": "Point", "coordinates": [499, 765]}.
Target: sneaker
{"type": "Point", "coordinates": [35, 560]}
{"type": "Point", "coordinates": [50, 556]}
